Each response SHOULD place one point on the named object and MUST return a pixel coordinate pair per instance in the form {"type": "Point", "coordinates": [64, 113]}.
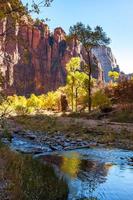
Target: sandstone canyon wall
{"type": "Point", "coordinates": [33, 60]}
{"type": "Point", "coordinates": [107, 60]}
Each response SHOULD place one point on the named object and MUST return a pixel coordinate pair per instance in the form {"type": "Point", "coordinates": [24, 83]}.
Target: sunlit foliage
{"type": "Point", "coordinates": [100, 99]}
{"type": "Point", "coordinates": [75, 80]}
{"type": "Point", "coordinates": [114, 75]}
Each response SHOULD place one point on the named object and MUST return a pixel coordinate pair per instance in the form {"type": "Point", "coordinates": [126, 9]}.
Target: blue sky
{"type": "Point", "coordinates": [115, 16]}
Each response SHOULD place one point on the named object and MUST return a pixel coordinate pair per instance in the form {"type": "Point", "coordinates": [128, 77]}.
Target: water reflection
{"type": "Point", "coordinates": [81, 175]}
{"type": "Point", "coordinates": [70, 165]}
{"type": "Point", "coordinates": [92, 175]}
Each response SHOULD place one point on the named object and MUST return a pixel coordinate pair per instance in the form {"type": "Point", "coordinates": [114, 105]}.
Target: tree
{"type": "Point", "coordinates": [14, 9]}
{"type": "Point", "coordinates": [123, 92]}
{"type": "Point", "coordinates": [75, 79]}
{"type": "Point", "coordinates": [114, 75]}
{"type": "Point", "coordinates": [71, 67]}
{"type": "Point", "coordinates": [80, 80]}
{"type": "Point", "coordinates": [10, 7]}
{"type": "Point", "coordinates": [34, 102]}
{"type": "Point", "coordinates": [89, 39]}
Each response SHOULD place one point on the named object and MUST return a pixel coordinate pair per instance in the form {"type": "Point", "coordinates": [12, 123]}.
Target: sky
{"type": "Point", "coordinates": [115, 17]}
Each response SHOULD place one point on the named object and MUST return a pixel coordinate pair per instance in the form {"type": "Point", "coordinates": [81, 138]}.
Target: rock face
{"type": "Point", "coordinates": [106, 59]}
{"type": "Point", "coordinates": [33, 60]}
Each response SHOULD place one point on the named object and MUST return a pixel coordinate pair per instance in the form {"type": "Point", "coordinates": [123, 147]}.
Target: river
{"type": "Point", "coordinates": [91, 173]}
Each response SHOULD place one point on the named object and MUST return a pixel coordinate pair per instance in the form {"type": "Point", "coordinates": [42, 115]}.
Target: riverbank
{"type": "Point", "coordinates": [22, 177]}
{"type": "Point", "coordinates": [42, 135]}
{"type": "Point", "coordinates": [64, 133]}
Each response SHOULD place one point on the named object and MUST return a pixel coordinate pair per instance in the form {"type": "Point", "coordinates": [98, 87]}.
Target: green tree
{"type": "Point", "coordinates": [72, 67]}
{"type": "Point", "coordinates": [114, 75]}
{"type": "Point", "coordinates": [80, 80]}
{"type": "Point", "coordinates": [75, 79]}
{"type": "Point", "coordinates": [89, 39]}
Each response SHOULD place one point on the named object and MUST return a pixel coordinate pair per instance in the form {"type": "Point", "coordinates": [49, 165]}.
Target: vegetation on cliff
{"type": "Point", "coordinates": [15, 8]}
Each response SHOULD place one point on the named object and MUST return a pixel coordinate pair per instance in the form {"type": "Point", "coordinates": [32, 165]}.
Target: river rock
{"type": "Point", "coordinates": [56, 148]}
{"type": "Point", "coordinates": [31, 136]}
{"type": "Point", "coordinates": [130, 159]}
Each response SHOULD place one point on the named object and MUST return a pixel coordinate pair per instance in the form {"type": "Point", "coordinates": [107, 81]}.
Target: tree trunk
{"type": "Point", "coordinates": [72, 99]}
{"type": "Point", "coordinates": [76, 98]}
{"type": "Point", "coordinates": [89, 81]}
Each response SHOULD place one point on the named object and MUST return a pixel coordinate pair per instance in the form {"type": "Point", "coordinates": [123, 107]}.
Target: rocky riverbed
{"type": "Point", "coordinates": [63, 133]}
{"type": "Point", "coordinates": [36, 142]}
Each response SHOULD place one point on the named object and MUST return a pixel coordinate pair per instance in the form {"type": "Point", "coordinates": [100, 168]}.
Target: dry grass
{"type": "Point", "coordinates": [23, 178]}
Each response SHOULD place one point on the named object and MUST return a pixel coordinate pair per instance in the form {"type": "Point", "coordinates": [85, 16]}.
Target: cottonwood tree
{"type": "Point", "coordinates": [75, 79]}
{"type": "Point", "coordinates": [72, 67]}
{"type": "Point", "coordinates": [89, 39]}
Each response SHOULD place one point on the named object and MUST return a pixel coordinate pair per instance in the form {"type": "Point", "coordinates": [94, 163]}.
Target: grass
{"type": "Point", "coordinates": [95, 114]}
{"type": "Point", "coordinates": [26, 179]}
{"type": "Point", "coordinates": [124, 116]}
{"type": "Point", "coordinates": [37, 122]}
{"type": "Point", "coordinates": [50, 124]}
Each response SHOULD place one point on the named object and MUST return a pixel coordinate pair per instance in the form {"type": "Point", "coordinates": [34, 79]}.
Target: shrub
{"type": "Point", "coordinates": [121, 93]}
{"type": "Point", "coordinates": [34, 102]}
{"type": "Point", "coordinates": [106, 108]}
{"type": "Point", "coordinates": [100, 99]}
{"type": "Point", "coordinates": [123, 116]}
{"type": "Point", "coordinates": [23, 110]}
{"type": "Point", "coordinates": [50, 101]}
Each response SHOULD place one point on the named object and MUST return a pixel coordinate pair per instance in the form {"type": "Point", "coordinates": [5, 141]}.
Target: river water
{"type": "Point", "coordinates": [92, 173]}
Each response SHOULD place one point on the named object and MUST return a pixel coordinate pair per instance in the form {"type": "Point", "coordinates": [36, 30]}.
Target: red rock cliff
{"type": "Point", "coordinates": [33, 60]}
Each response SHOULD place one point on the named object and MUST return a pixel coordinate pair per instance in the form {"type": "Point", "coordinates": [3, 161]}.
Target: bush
{"type": "Point", "coordinates": [123, 116]}
{"type": "Point", "coordinates": [100, 100]}
{"type": "Point", "coordinates": [121, 93]}
{"type": "Point", "coordinates": [23, 110]}
{"type": "Point", "coordinates": [50, 101]}
{"type": "Point", "coordinates": [7, 134]}
{"type": "Point", "coordinates": [34, 102]}
{"type": "Point", "coordinates": [106, 108]}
